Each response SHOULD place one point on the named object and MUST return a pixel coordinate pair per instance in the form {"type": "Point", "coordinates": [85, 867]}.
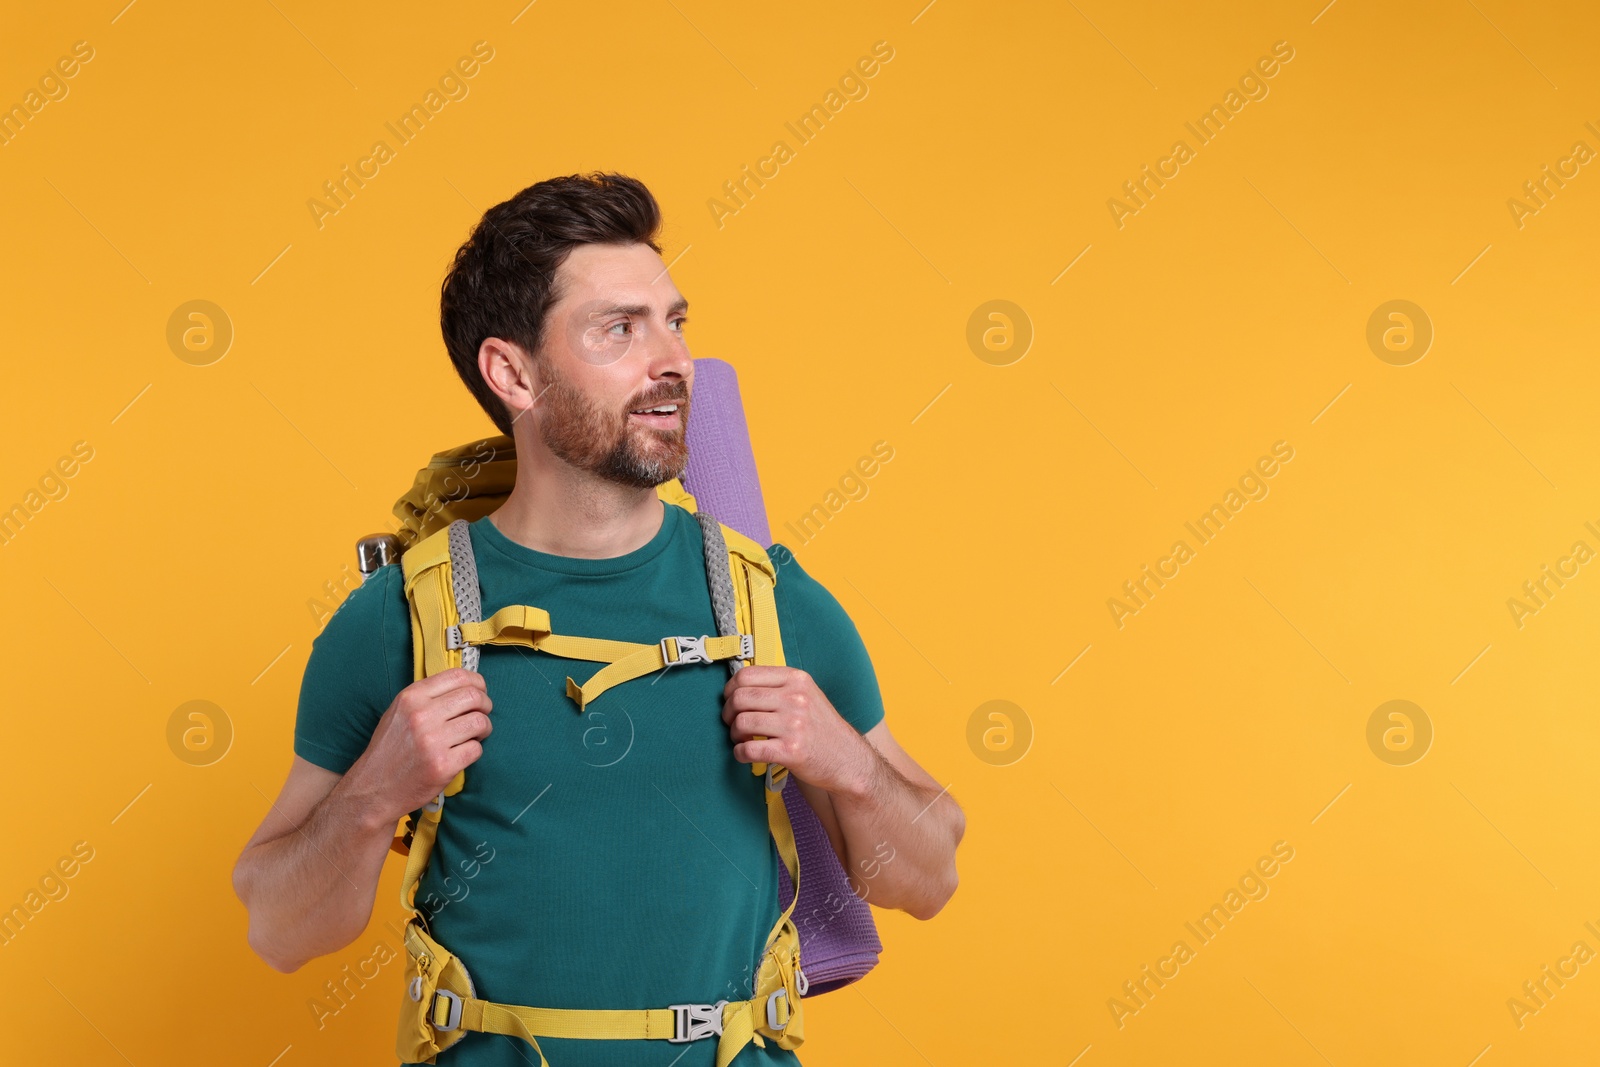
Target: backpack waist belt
{"type": "Point", "coordinates": [446, 1005]}
{"type": "Point", "coordinates": [733, 1023]}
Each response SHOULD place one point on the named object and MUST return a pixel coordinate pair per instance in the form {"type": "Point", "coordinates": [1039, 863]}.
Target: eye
{"type": "Point", "coordinates": [679, 324]}
{"type": "Point", "coordinates": [624, 325]}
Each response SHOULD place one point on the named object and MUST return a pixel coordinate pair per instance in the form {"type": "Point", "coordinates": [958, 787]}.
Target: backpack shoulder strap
{"type": "Point", "coordinates": [742, 578]}
{"type": "Point", "coordinates": [441, 582]}
{"type": "Point", "coordinates": [740, 569]}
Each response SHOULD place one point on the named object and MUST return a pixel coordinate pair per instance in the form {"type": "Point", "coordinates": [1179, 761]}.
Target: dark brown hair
{"type": "Point", "coordinates": [502, 282]}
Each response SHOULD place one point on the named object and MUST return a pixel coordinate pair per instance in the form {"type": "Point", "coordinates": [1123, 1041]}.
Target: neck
{"type": "Point", "coordinates": [557, 509]}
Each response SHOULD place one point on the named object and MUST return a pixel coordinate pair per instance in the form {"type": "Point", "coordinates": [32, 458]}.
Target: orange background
{"type": "Point", "coordinates": [1228, 313]}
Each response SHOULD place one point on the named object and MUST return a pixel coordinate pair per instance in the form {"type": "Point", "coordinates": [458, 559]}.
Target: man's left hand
{"type": "Point", "coordinates": [798, 725]}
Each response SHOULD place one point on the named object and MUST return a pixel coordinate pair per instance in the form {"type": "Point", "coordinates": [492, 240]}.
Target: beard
{"type": "Point", "coordinates": [607, 443]}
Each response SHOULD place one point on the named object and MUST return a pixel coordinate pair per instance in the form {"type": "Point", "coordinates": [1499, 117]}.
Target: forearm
{"type": "Point", "coordinates": [900, 839]}
{"type": "Point", "coordinates": [310, 890]}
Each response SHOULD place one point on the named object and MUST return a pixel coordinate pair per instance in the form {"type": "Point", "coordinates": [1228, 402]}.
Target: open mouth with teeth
{"type": "Point", "coordinates": [664, 416]}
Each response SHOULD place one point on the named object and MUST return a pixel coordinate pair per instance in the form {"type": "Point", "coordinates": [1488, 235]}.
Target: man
{"type": "Point", "coordinates": [619, 858]}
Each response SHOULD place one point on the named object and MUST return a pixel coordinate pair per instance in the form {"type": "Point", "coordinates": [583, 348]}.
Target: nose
{"type": "Point", "coordinates": [669, 358]}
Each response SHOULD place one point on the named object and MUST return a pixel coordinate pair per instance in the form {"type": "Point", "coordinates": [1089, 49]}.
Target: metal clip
{"type": "Point", "coordinates": [691, 1022]}
{"type": "Point", "coordinates": [453, 1014]}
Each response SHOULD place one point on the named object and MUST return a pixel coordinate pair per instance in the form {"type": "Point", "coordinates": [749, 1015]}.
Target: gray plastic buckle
{"type": "Point", "coordinates": [690, 650]}
{"type": "Point", "coordinates": [453, 1016]}
{"type": "Point", "coordinates": [747, 646]}
{"type": "Point", "coordinates": [435, 804]}
{"type": "Point", "coordinates": [772, 1009]}
{"type": "Point", "coordinates": [691, 1022]}
{"type": "Point", "coordinates": [453, 639]}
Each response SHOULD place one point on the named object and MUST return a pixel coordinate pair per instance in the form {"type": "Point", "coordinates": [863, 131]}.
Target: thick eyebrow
{"type": "Point", "coordinates": [680, 305]}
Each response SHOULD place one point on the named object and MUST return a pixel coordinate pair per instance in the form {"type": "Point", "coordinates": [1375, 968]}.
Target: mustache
{"type": "Point", "coordinates": [678, 393]}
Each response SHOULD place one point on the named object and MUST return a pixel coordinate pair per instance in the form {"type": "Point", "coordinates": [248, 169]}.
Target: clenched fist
{"type": "Point", "coordinates": [779, 715]}
{"type": "Point", "coordinates": [434, 728]}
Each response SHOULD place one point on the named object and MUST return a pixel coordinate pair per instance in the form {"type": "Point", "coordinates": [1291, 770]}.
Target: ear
{"type": "Point", "coordinates": [510, 374]}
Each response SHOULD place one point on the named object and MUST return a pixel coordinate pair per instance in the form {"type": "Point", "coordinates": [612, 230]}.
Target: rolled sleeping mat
{"type": "Point", "coordinates": [838, 944]}
{"type": "Point", "coordinates": [722, 465]}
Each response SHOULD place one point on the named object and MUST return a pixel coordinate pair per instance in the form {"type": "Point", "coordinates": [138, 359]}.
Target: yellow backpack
{"type": "Point", "coordinates": [440, 1006]}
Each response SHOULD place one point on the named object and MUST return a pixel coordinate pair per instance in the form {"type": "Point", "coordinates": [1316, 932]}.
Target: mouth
{"type": "Point", "coordinates": [661, 416]}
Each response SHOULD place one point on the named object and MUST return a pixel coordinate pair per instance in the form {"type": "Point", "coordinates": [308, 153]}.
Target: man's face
{"type": "Point", "coordinates": [613, 347]}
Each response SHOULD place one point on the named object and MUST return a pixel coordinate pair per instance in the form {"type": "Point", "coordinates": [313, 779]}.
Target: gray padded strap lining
{"type": "Point", "coordinates": [719, 576]}
{"type": "Point", "coordinates": [464, 574]}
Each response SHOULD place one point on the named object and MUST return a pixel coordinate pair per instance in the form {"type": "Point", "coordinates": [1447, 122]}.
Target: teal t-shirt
{"type": "Point", "coordinates": [613, 858]}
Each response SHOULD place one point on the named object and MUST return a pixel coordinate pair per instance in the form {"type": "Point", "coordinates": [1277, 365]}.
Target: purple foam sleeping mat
{"type": "Point", "coordinates": [838, 939]}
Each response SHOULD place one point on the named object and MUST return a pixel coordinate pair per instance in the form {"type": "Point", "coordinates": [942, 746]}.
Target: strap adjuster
{"type": "Point", "coordinates": [684, 650]}
{"type": "Point", "coordinates": [453, 1011]}
{"type": "Point", "coordinates": [691, 1022]}
{"type": "Point", "coordinates": [453, 639]}
{"type": "Point", "coordinates": [772, 1009]}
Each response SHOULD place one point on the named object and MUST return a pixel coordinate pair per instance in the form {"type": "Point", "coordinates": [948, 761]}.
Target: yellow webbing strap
{"type": "Point", "coordinates": [648, 658]}
{"type": "Point", "coordinates": [756, 608]}
{"type": "Point", "coordinates": [522, 624]}
{"type": "Point", "coordinates": [739, 1021]}
{"type": "Point", "coordinates": [429, 592]}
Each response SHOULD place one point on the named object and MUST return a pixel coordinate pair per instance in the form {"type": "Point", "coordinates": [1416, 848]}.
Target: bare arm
{"type": "Point", "coordinates": [310, 873]}
{"type": "Point", "coordinates": [899, 829]}
{"type": "Point", "coordinates": [894, 828]}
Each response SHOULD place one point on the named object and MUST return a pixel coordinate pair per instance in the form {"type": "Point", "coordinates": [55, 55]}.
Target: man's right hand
{"type": "Point", "coordinates": [433, 729]}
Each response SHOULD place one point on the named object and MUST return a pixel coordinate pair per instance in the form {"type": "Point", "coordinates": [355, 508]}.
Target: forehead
{"type": "Point", "coordinates": [626, 274]}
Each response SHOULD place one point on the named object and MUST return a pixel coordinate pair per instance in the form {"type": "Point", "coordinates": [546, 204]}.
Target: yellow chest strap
{"type": "Point", "coordinates": [521, 624]}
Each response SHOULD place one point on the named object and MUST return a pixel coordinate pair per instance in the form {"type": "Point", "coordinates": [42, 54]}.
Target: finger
{"type": "Point", "coordinates": [461, 701]}
{"type": "Point", "coordinates": [759, 751]}
{"type": "Point", "coordinates": [751, 724]}
{"type": "Point", "coordinates": [752, 699]}
{"type": "Point", "coordinates": [762, 674]}
{"type": "Point", "coordinates": [473, 726]}
{"type": "Point", "coordinates": [466, 754]}
{"type": "Point", "coordinates": [444, 681]}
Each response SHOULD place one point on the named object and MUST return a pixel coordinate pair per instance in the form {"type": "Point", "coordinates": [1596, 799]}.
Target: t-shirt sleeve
{"type": "Point", "coordinates": [358, 663]}
{"type": "Point", "coordinates": [820, 639]}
